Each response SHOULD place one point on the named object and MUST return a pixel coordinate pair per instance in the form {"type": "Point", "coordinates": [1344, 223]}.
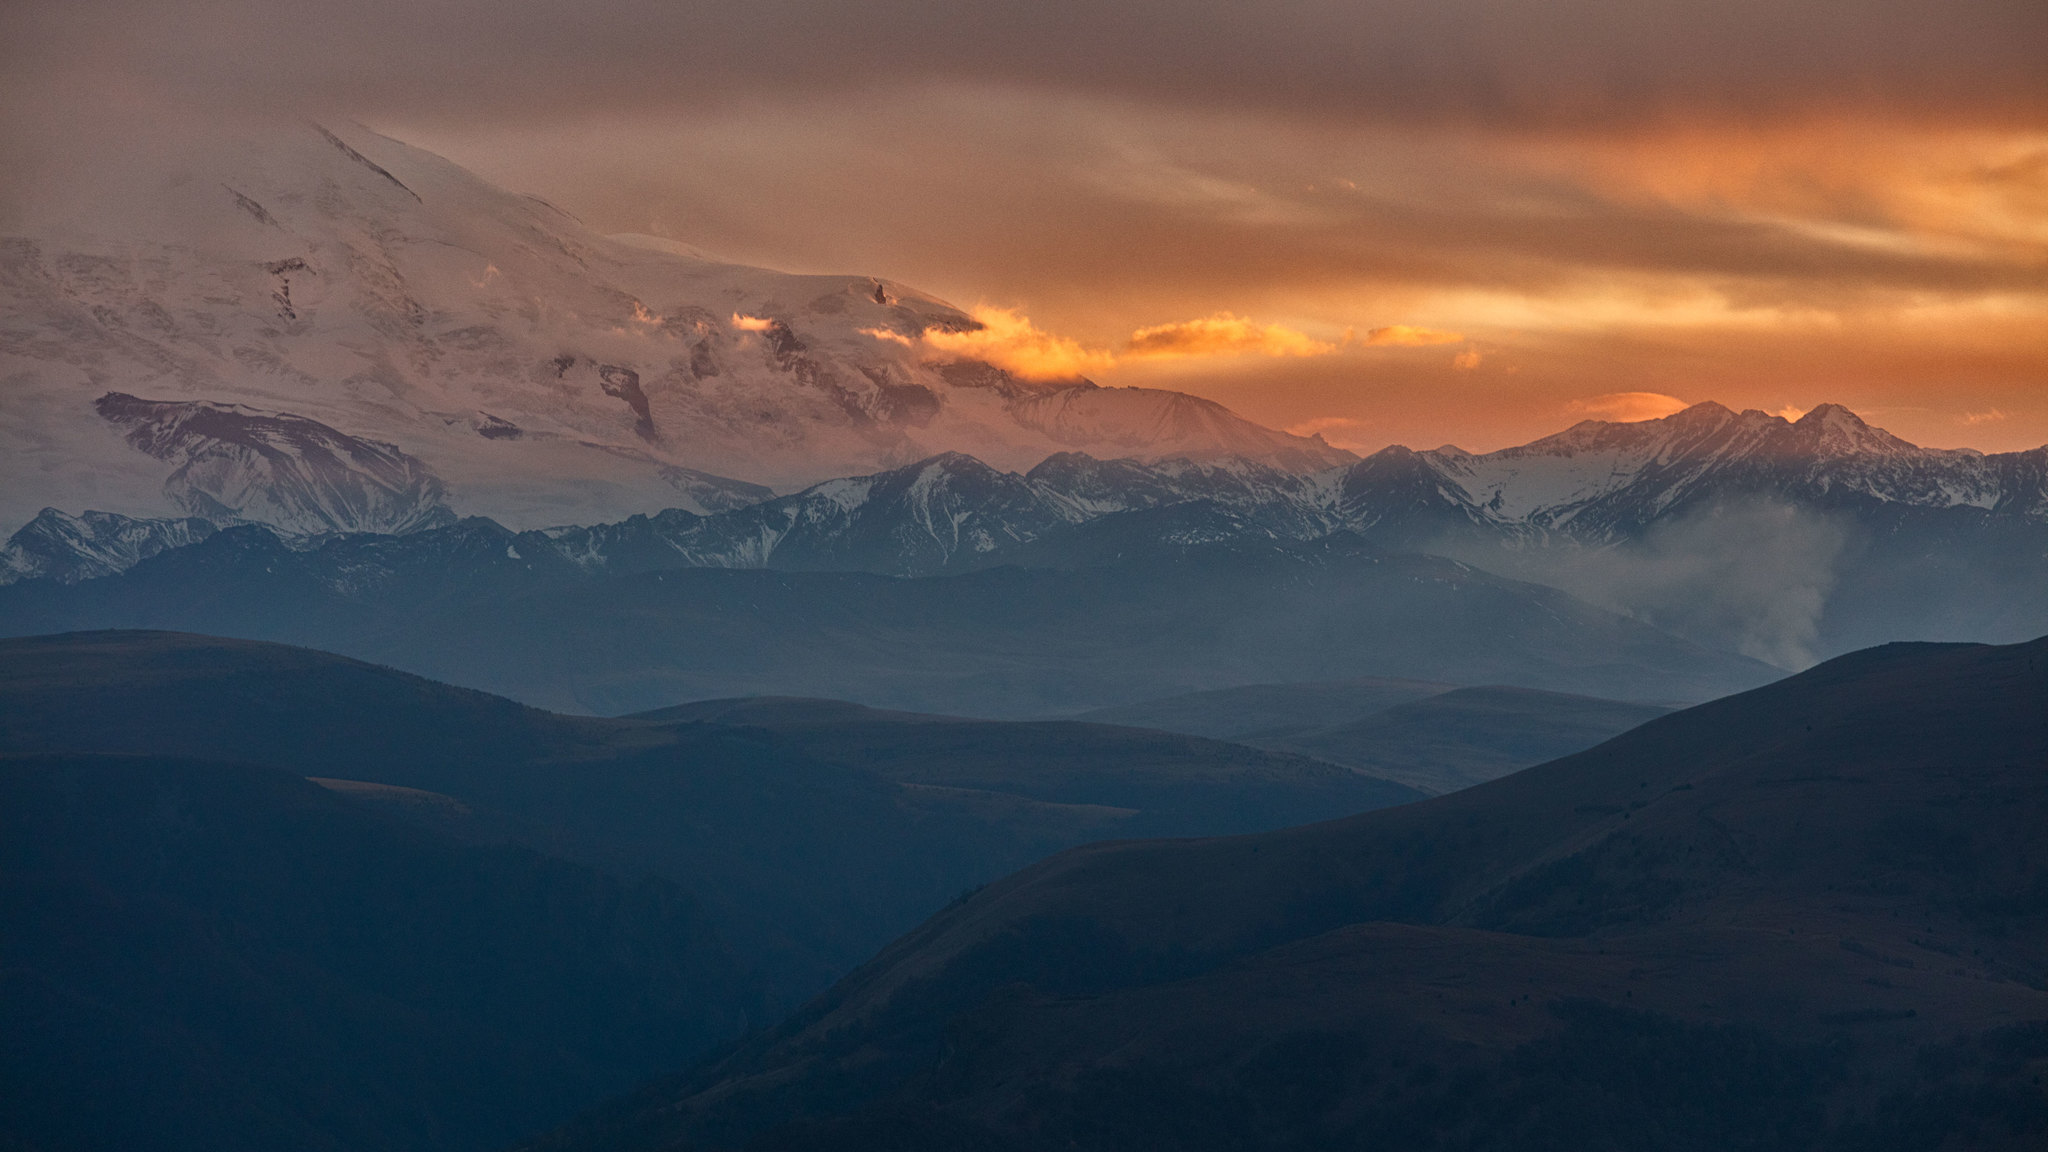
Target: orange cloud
{"type": "Point", "coordinates": [751, 323]}
{"type": "Point", "coordinates": [1407, 336]}
{"type": "Point", "coordinates": [1008, 339]}
{"type": "Point", "coordinates": [1221, 335]}
{"type": "Point", "coordinates": [1629, 407]}
{"type": "Point", "coordinates": [1466, 361]}
{"type": "Point", "coordinates": [1985, 417]}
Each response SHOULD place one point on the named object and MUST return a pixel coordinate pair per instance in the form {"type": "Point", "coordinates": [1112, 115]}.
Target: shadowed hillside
{"type": "Point", "coordinates": [1811, 916]}
{"type": "Point", "coordinates": [1167, 782]}
{"type": "Point", "coordinates": [1258, 711]}
{"type": "Point", "coordinates": [225, 956]}
{"type": "Point", "coordinates": [1427, 736]}
{"type": "Point", "coordinates": [810, 845]}
{"type": "Point", "coordinates": [1456, 739]}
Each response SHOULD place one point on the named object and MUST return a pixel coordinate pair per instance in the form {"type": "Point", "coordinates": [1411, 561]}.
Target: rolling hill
{"type": "Point", "coordinates": [209, 955]}
{"type": "Point", "coordinates": [808, 846]}
{"type": "Point", "coordinates": [1469, 735]}
{"type": "Point", "coordinates": [1807, 916]}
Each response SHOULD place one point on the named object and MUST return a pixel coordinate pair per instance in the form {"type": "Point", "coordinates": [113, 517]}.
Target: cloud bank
{"type": "Point", "coordinates": [1523, 61]}
{"type": "Point", "coordinates": [1518, 204]}
{"type": "Point", "coordinates": [1008, 339]}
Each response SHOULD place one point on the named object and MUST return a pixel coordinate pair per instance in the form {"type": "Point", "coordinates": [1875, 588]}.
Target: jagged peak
{"type": "Point", "coordinates": [1834, 429]}
{"type": "Point", "coordinates": [1065, 463]}
{"type": "Point", "coordinates": [1831, 414]}
{"type": "Point", "coordinates": [1391, 452]}
{"type": "Point", "coordinates": [952, 464]}
{"type": "Point", "coordinates": [1705, 410]}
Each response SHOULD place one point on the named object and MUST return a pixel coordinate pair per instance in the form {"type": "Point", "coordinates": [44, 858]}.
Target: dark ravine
{"type": "Point", "coordinates": [1810, 916]}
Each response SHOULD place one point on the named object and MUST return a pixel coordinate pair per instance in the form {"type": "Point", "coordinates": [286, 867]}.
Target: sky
{"type": "Point", "coordinates": [1413, 221]}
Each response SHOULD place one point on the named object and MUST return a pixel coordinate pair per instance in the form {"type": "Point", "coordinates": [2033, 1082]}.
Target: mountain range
{"type": "Point", "coordinates": [326, 331]}
{"type": "Point", "coordinates": [1783, 540]}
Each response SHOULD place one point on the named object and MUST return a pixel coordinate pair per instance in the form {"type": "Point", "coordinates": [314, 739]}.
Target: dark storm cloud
{"type": "Point", "coordinates": [1485, 60]}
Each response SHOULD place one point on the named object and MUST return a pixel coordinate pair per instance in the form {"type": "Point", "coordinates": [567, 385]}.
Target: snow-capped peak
{"type": "Point", "coordinates": [542, 371]}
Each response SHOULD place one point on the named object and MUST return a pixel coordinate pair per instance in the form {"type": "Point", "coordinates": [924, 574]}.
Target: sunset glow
{"type": "Point", "coordinates": [1508, 220]}
{"type": "Point", "coordinates": [1008, 339]}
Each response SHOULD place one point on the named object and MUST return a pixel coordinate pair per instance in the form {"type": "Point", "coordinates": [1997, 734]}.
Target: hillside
{"type": "Point", "coordinates": [809, 848]}
{"type": "Point", "coordinates": [1807, 916]}
{"type": "Point", "coordinates": [1468, 736]}
{"type": "Point", "coordinates": [204, 955]}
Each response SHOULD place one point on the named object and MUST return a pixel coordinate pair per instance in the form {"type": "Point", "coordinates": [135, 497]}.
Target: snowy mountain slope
{"type": "Point", "coordinates": [542, 372]}
{"type": "Point", "coordinates": [67, 549]}
{"type": "Point", "coordinates": [1594, 485]}
{"type": "Point", "coordinates": [953, 512]}
{"type": "Point", "coordinates": [238, 465]}
{"type": "Point", "coordinates": [1600, 481]}
{"type": "Point", "coordinates": [1781, 540]}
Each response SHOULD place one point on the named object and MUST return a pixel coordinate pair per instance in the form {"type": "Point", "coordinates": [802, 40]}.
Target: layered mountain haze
{"type": "Point", "coordinates": [477, 605]}
{"type": "Point", "coordinates": [808, 832]}
{"type": "Point", "coordinates": [1805, 917]}
{"type": "Point", "coordinates": [263, 896]}
{"type": "Point", "coordinates": [1429, 736]}
{"type": "Point", "coordinates": [326, 329]}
